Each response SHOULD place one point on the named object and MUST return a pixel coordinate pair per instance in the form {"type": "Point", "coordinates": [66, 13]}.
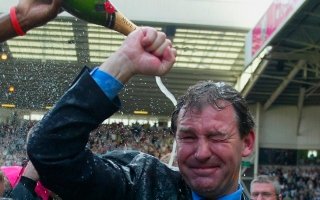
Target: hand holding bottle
{"type": "Point", "coordinates": [34, 13]}
{"type": "Point", "coordinates": [100, 12]}
{"type": "Point", "coordinates": [145, 51]}
{"type": "Point", "coordinates": [26, 15]}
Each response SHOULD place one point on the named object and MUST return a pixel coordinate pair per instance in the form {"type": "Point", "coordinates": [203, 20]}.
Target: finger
{"type": "Point", "coordinates": [174, 52]}
{"type": "Point", "coordinates": [160, 39]}
{"type": "Point", "coordinates": [168, 60]}
{"type": "Point", "coordinates": [149, 36]}
{"type": "Point", "coordinates": [159, 51]}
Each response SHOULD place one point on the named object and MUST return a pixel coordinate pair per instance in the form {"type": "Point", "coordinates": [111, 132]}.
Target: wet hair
{"type": "Point", "coordinates": [219, 95]}
{"type": "Point", "coordinates": [267, 179]}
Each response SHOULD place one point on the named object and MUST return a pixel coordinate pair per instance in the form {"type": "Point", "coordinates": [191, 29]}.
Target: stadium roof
{"type": "Point", "coordinates": [43, 63]}
{"type": "Point", "coordinates": [289, 73]}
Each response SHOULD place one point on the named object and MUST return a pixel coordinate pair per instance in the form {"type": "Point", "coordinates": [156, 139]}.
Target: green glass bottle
{"type": "Point", "coordinates": [100, 12]}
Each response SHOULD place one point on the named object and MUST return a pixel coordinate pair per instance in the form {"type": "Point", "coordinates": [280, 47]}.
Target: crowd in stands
{"type": "Point", "coordinates": [152, 140]}
{"type": "Point", "coordinates": [297, 182]}
{"type": "Point", "coordinates": [149, 139]}
{"type": "Point", "coordinates": [13, 142]}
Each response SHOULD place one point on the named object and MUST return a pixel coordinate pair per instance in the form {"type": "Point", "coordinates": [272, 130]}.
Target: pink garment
{"type": "Point", "coordinates": [13, 174]}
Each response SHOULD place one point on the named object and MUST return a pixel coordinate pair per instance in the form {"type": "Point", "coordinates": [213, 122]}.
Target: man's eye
{"type": "Point", "coordinates": [187, 138]}
{"type": "Point", "coordinates": [218, 137]}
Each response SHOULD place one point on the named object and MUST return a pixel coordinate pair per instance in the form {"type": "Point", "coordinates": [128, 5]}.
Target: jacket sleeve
{"type": "Point", "coordinates": [57, 146]}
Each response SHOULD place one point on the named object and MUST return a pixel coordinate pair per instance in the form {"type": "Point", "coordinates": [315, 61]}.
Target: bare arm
{"type": "Point", "coordinates": [30, 14]}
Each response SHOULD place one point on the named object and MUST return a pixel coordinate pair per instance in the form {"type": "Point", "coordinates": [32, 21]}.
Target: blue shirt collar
{"type": "Point", "coordinates": [234, 196]}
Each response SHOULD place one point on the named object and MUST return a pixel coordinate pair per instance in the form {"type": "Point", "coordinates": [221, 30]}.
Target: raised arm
{"type": "Point", "coordinates": [57, 144]}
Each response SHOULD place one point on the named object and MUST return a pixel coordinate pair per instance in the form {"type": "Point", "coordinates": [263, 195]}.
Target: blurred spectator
{"type": "Point", "coordinates": [265, 187]}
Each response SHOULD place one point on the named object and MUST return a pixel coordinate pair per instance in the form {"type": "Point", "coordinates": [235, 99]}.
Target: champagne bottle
{"type": "Point", "coordinates": [100, 12]}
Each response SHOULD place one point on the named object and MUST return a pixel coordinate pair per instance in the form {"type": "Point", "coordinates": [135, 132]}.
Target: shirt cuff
{"type": "Point", "coordinates": [109, 84]}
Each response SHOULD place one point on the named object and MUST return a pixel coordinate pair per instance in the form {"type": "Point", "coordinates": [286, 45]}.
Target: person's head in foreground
{"type": "Point", "coordinates": [214, 130]}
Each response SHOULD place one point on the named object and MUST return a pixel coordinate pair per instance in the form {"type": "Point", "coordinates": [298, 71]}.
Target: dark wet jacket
{"type": "Point", "coordinates": [57, 150]}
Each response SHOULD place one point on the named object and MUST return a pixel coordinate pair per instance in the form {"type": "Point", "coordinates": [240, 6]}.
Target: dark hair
{"type": "Point", "coordinates": [213, 93]}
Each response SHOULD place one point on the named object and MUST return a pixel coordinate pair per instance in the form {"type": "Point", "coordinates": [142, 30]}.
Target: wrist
{"type": "Point", "coordinates": [119, 66]}
{"type": "Point", "coordinates": [17, 21]}
{"type": "Point", "coordinates": [5, 24]}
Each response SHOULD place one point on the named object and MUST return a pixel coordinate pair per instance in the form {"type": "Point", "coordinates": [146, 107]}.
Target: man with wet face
{"type": "Point", "coordinates": [212, 125]}
{"type": "Point", "coordinates": [214, 130]}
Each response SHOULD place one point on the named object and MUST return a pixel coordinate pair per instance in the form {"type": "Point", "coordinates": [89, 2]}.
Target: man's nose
{"type": "Point", "coordinates": [203, 152]}
{"type": "Point", "coordinates": [260, 197]}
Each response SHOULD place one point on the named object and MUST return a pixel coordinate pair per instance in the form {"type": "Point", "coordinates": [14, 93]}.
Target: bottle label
{"type": "Point", "coordinates": [116, 20]}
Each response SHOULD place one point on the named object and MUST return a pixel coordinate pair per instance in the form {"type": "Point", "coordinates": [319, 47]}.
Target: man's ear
{"type": "Point", "coordinates": [248, 144]}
